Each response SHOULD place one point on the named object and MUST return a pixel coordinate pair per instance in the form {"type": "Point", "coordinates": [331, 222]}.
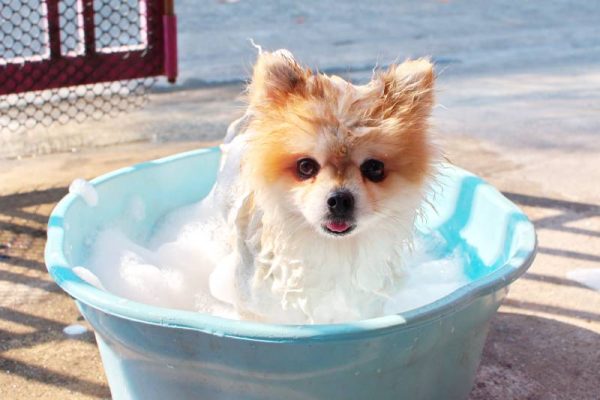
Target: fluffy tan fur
{"type": "Point", "coordinates": [298, 113]}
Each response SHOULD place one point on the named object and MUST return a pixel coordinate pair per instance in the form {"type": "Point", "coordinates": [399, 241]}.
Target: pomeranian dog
{"type": "Point", "coordinates": [320, 187]}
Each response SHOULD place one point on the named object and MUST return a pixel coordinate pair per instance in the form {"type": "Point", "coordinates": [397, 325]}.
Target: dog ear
{"type": "Point", "coordinates": [276, 76]}
{"type": "Point", "coordinates": [407, 91]}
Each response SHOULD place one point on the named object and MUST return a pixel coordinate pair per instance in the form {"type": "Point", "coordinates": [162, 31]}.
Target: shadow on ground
{"type": "Point", "coordinates": [34, 351]}
{"type": "Point", "coordinates": [525, 358]}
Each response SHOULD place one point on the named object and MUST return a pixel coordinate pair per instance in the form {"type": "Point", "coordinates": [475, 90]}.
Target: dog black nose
{"type": "Point", "coordinates": [341, 203]}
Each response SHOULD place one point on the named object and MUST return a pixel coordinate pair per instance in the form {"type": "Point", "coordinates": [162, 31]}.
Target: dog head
{"type": "Point", "coordinates": [334, 155]}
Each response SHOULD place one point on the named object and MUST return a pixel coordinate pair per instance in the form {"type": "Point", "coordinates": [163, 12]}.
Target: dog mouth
{"type": "Point", "coordinates": [338, 227]}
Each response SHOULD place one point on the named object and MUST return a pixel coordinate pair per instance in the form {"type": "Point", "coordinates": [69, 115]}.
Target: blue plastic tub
{"type": "Point", "coordinates": [156, 353]}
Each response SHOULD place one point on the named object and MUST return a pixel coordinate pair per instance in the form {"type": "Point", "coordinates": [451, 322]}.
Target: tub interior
{"type": "Point", "coordinates": [471, 215]}
{"type": "Point", "coordinates": [156, 187]}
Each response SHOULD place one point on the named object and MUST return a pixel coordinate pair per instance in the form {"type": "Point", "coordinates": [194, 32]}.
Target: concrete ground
{"type": "Point", "coordinates": [519, 104]}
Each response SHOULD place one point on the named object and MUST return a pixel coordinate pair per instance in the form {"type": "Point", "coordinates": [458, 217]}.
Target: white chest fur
{"type": "Point", "coordinates": [283, 270]}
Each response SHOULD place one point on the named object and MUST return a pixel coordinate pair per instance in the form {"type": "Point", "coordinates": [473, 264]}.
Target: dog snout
{"type": "Point", "coordinates": [341, 203]}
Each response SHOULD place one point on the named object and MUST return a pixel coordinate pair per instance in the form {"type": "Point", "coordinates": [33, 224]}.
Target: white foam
{"type": "Point", "coordinates": [587, 277]}
{"type": "Point", "coordinates": [85, 190]}
{"type": "Point", "coordinates": [74, 330]}
{"type": "Point", "coordinates": [174, 270]}
{"type": "Point", "coordinates": [88, 276]}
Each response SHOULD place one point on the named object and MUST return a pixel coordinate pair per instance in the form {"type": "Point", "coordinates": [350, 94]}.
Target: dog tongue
{"type": "Point", "coordinates": [337, 226]}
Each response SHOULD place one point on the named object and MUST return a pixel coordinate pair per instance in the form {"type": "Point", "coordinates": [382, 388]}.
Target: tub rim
{"type": "Point", "coordinates": [117, 306]}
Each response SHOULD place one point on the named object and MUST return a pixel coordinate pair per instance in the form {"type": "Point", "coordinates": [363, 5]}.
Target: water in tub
{"type": "Point", "coordinates": [185, 265]}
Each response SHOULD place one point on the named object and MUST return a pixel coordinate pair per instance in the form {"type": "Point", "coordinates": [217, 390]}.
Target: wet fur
{"type": "Point", "coordinates": [282, 264]}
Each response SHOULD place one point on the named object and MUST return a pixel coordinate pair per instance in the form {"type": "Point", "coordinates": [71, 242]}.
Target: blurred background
{"type": "Point", "coordinates": [518, 95]}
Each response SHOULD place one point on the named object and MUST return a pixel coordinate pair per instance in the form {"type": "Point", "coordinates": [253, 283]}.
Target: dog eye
{"type": "Point", "coordinates": [373, 170]}
{"type": "Point", "coordinates": [307, 168]}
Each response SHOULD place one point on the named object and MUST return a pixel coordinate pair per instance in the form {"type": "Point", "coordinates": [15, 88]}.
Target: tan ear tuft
{"type": "Point", "coordinates": [408, 89]}
{"type": "Point", "coordinates": [276, 76]}
{"type": "Point", "coordinates": [417, 74]}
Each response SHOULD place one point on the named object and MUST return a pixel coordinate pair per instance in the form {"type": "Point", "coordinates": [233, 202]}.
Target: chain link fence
{"type": "Point", "coordinates": [69, 60]}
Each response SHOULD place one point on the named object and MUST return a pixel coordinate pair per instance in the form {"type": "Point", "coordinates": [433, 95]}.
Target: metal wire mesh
{"type": "Point", "coordinates": [22, 30]}
{"type": "Point", "coordinates": [26, 110]}
{"type": "Point", "coordinates": [67, 60]}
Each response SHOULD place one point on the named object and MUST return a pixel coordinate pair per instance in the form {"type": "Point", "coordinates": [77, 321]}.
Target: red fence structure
{"type": "Point", "coordinates": [52, 45]}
